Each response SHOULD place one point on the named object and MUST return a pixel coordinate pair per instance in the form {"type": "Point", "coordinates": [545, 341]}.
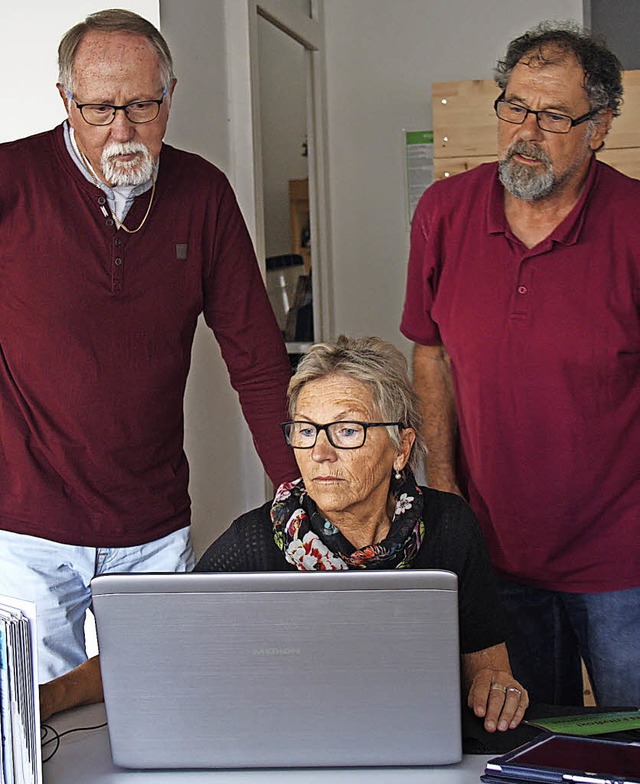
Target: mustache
{"type": "Point", "coordinates": [530, 149]}
{"type": "Point", "coordinates": [124, 148]}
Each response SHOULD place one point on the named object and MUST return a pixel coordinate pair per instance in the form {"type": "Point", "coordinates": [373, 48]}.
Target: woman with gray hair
{"type": "Point", "coordinates": [355, 431]}
{"type": "Point", "coordinates": [355, 424]}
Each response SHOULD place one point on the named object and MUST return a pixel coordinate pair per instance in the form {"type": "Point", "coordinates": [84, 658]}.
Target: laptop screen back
{"type": "Point", "coordinates": [232, 670]}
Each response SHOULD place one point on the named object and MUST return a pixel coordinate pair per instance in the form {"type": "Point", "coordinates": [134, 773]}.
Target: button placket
{"type": "Point", "coordinates": [117, 265]}
{"type": "Point", "coordinates": [522, 293]}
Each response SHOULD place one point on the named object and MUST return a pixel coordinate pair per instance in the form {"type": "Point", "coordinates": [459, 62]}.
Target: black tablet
{"type": "Point", "coordinates": [567, 758]}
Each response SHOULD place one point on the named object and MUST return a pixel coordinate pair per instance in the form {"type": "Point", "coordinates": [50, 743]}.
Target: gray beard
{"type": "Point", "coordinates": [522, 181]}
{"type": "Point", "coordinates": [135, 172]}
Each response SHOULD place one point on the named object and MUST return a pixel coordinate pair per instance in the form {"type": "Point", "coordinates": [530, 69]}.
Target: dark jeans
{"type": "Point", "coordinates": [551, 630]}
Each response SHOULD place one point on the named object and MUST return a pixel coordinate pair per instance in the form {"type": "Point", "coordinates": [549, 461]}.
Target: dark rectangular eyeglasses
{"type": "Point", "coordinates": [138, 112]}
{"type": "Point", "coordinates": [341, 435]}
{"type": "Point", "coordinates": [554, 122]}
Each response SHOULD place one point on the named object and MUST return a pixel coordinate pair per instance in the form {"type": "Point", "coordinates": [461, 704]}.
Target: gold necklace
{"type": "Point", "coordinates": [118, 223]}
{"type": "Point", "coordinates": [146, 215]}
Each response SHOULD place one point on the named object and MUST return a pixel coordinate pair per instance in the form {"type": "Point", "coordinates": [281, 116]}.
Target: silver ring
{"type": "Point", "coordinates": [499, 687]}
{"type": "Point", "coordinates": [516, 691]}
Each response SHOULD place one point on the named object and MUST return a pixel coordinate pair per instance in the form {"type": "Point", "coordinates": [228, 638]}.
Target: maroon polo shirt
{"type": "Point", "coordinates": [545, 351]}
{"type": "Point", "coordinates": [96, 329]}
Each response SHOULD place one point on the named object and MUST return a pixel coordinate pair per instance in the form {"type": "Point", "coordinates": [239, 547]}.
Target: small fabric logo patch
{"type": "Point", "coordinates": [181, 250]}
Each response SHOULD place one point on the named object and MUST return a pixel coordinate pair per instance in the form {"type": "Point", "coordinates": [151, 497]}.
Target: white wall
{"type": "Point", "coordinates": [29, 36]}
{"type": "Point", "coordinates": [226, 476]}
{"type": "Point", "coordinates": [381, 59]}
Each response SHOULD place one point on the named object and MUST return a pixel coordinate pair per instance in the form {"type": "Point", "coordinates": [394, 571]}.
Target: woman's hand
{"type": "Point", "coordinates": [493, 692]}
{"type": "Point", "coordinates": [498, 697]}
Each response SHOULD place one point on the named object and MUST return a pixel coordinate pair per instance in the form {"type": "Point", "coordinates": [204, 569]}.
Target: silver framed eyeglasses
{"type": "Point", "coordinates": [138, 112]}
{"type": "Point", "coordinates": [554, 122]}
{"type": "Point", "coordinates": [341, 435]}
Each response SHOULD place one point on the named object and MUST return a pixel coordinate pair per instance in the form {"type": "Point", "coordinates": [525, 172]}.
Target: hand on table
{"type": "Point", "coordinates": [82, 686]}
{"type": "Point", "coordinates": [499, 697]}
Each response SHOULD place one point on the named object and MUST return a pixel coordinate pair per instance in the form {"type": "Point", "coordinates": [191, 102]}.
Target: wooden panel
{"type": "Point", "coordinates": [447, 167]}
{"type": "Point", "coordinates": [625, 131]}
{"type": "Point", "coordinates": [464, 123]}
{"type": "Point", "coordinates": [627, 161]}
{"type": "Point", "coordinates": [464, 127]}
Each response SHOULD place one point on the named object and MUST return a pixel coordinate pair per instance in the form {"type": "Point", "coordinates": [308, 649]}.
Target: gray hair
{"type": "Point", "coordinates": [380, 366]}
{"type": "Point", "coordinates": [113, 20]}
{"type": "Point", "coordinates": [602, 69]}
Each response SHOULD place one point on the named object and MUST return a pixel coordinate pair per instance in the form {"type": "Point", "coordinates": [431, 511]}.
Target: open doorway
{"type": "Point", "coordinates": [288, 150]}
{"type": "Point", "coordinates": [285, 181]}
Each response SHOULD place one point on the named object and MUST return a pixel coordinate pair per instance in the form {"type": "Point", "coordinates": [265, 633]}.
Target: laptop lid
{"type": "Point", "coordinates": [227, 670]}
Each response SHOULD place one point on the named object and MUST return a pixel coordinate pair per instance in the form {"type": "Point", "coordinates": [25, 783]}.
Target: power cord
{"type": "Point", "coordinates": [46, 730]}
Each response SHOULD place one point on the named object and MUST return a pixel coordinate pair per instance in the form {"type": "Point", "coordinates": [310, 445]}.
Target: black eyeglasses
{"type": "Point", "coordinates": [138, 112]}
{"type": "Point", "coordinates": [554, 122]}
{"type": "Point", "coordinates": [341, 435]}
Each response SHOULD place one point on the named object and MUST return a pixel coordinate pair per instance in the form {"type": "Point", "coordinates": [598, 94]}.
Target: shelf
{"type": "Point", "coordinates": [299, 216]}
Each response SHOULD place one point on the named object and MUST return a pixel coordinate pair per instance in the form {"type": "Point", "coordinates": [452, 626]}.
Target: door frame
{"type": "Point", "coordinates": [241, 20]}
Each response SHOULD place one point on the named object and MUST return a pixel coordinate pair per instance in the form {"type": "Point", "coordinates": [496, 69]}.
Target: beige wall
{"type": "Point", "coordinates": [381, 59]}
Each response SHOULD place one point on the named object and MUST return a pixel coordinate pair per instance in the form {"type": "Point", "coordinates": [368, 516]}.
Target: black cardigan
{"type": "Point", "coordinates": [453, 540]}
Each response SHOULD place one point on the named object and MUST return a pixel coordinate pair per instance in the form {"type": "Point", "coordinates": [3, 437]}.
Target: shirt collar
{"type": "Point", "coordinates": [566, 233]}
{"type": "Point", "coordinates": [120, 192]}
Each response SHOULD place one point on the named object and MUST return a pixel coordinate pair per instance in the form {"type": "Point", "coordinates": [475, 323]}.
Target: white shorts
{"type": "Point", "coordinates": [57, 578]}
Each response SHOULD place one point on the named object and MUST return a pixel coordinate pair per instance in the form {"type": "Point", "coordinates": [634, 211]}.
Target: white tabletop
{"type": "Point", "coordinates": [84, 758]}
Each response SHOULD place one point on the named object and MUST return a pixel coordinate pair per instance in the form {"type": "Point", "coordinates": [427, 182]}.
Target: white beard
{"type": "Point", "coordinates": [133, 172]}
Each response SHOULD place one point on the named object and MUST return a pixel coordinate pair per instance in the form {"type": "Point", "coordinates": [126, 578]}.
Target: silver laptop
{"type": "Point", "coordinates": [293, 669]}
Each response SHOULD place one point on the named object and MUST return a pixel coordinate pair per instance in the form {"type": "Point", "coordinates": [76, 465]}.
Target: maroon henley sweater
{"type": "Point", "coordinates": [96, 329]}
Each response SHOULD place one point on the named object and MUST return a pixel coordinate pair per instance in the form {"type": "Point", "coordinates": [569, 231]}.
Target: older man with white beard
{"type": "Point", "coordinates": [111, 245]}
{"type": "Point", "coordinates": [523, 297]}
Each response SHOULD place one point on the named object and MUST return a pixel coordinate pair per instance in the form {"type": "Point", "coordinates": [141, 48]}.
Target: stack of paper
{"type": "Point", "coordinates": [20, 759]}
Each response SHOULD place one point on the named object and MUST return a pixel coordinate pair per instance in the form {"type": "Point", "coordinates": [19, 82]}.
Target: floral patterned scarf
{"type": "Point", "coordinates": [311, 543]}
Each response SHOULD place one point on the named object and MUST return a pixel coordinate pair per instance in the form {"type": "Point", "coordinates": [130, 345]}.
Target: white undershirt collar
{"type": "Point", "coordinates": [119, 198]}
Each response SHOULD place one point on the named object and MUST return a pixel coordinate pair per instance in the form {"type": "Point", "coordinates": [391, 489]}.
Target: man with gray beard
{"type": "Point", "coordinates": [522, 300]}
{"type": "Point", "coordinates": [112, 244]}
